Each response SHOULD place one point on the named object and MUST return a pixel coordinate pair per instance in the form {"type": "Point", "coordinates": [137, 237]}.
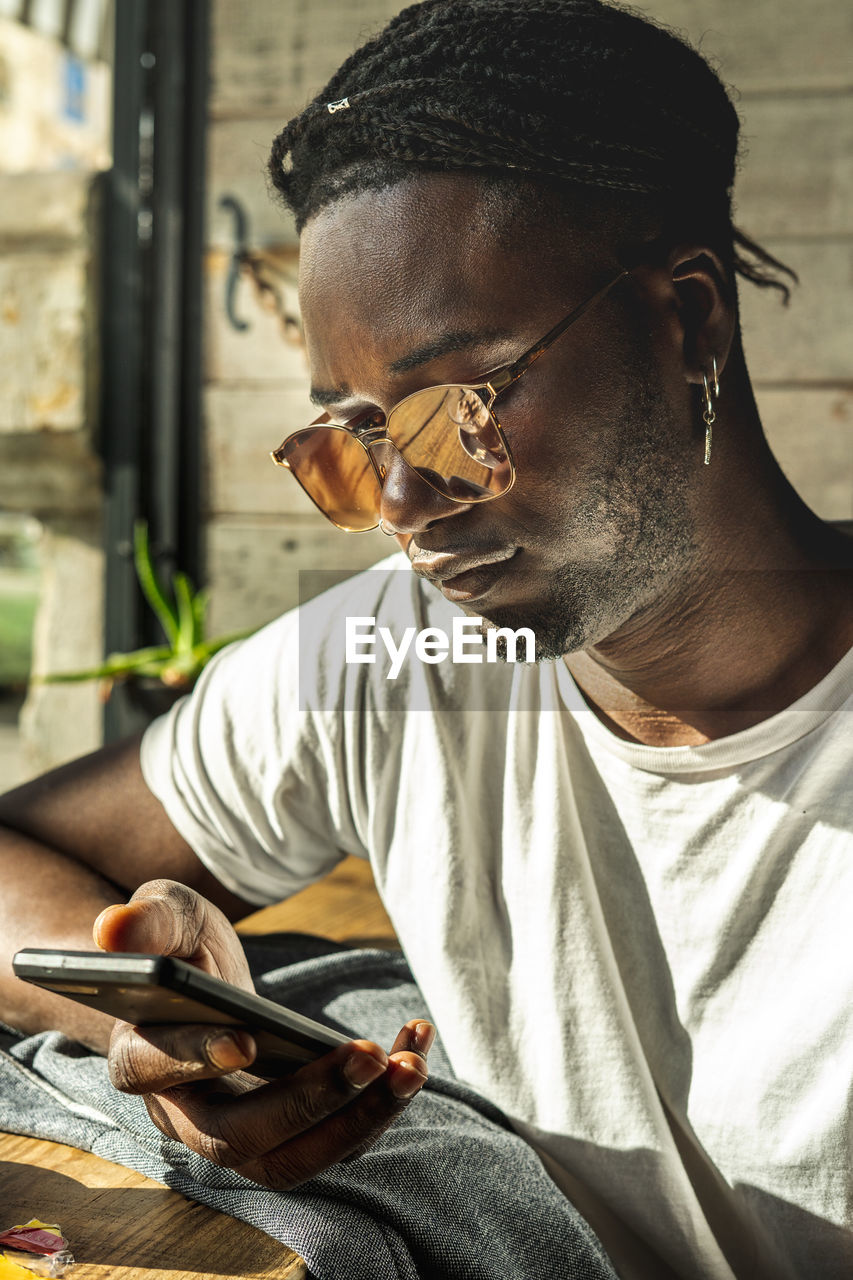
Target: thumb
{"type": "Point", "coordinates": [147, 924]}
{"type": "Point", "coordinates": [167, 918]}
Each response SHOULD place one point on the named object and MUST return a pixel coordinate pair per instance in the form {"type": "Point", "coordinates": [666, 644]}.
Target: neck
{"type": "Point", "coordinates": [762, 617]}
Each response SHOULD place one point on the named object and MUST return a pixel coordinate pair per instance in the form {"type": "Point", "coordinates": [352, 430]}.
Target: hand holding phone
{"type": "Point", "coordinates": [279, 1133]}
{"type": "Point", "coordinates": [150, 990]}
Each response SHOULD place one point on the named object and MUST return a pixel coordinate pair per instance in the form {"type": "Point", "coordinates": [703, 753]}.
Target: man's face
{"type": "Point", "coordinates": [415, 286]}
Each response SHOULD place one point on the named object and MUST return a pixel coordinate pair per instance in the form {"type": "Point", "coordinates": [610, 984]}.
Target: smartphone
{"type": "Point", "coordinates": [149, 990]}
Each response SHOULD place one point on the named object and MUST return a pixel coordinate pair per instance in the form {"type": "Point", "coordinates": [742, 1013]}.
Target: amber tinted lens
{"type": "Point", "coordinates": [336, 473]}
{"type": "Point", "coordinates": [452, 440]}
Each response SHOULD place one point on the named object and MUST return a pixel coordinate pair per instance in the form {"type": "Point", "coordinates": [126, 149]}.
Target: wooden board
{"type": "Point", "coordinates": [811, 433]}
{"type": "Point", "coordinates": [123, 1226]}
{"type": "Point", "coordinates": [809, 341]}
{"type": "Point", "coordinates": [344, 906]}
{"type": "Point", "coordinates": [242, 425]}
{"type": "Point", "coordinates": [271, 58]}
{"type": "Point", "coordinates": [255, 563]}
{"type": "Point", "coordinates": [795, 177]}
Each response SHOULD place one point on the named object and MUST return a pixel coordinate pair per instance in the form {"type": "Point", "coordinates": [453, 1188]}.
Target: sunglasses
{"type": "Point", "coordinates": [448, 436]}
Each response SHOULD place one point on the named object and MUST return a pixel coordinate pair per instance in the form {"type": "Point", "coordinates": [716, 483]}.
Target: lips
{"type": "Point", "coordinates": [463, 577]}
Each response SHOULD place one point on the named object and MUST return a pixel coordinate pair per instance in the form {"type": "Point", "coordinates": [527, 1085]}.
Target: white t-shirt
{"type": "Point", "coordinates": [643, 955]}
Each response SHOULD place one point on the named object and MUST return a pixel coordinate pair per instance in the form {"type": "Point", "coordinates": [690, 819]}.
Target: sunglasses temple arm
{"type": "Point", "coordinates": [523, 363]}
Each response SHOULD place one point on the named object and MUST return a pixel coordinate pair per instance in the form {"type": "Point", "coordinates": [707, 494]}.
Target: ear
{"type": "Point", "coordinates": [706, 308]}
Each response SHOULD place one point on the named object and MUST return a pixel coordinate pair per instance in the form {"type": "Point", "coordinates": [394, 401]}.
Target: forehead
{"type": "Point", "coordinates": [389, 268]}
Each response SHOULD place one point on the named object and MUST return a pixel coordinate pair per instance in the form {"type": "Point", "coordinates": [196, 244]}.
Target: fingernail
{"type": "Point", "coordinates": [361, 1069]}
{"type": "Point", "coordinates": [424, 1036]}
{"type": "Point", "coordinates": [406, 1079]}
{"type": "Point", "coordinates": [225, 1052]}
{"type": "Point", "coordinates": [96, 927]}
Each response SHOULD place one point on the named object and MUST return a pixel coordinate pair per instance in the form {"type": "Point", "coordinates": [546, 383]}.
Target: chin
{"type": "Point", "coordinates": [581, 607]}
{"type": "Point", "coordinates": [555, 637]}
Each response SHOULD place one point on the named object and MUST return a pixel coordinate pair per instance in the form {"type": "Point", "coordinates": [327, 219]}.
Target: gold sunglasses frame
{"type": "Point", "coordinates": [494, 383]}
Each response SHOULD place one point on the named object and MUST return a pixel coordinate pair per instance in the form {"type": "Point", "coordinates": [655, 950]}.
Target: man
{"type": "Point", "coordinates": [620, 876]}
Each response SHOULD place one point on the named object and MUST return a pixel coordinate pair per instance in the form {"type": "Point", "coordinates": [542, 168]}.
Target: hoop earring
{"type": "Point", "coordinates": [709, 417]}
{"type": "Point", "coordinates": [389, 533]}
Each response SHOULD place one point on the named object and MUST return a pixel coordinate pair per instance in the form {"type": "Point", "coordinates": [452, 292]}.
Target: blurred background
{"type": "Point", "coordinates": [149, 355]}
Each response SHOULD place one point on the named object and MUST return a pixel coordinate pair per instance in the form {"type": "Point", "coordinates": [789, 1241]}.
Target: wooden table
{"type": "Point", "coordinates": [123, 1226]}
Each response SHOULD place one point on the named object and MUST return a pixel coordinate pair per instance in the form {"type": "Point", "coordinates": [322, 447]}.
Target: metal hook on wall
{"type": "Point", "coordinates": [241, 234]}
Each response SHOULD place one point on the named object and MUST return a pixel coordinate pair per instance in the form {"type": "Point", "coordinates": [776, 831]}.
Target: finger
{"type": "Point", "coordinates": [417, 1036]}
{"type": "Point", "coordinates": [187, 1115]}
{"type": "Point", "coordinates": [234, 1131]}
{"type": "Point", "coordinates": [408, 1054]}
{"type": "Point", "coordinates": [164, 917]}
{"type": "Point", "coordinates": [342, 1136]}
{"type": "Point", "coordinates": [145, 1060]}
{"type": "Point", "coordinates": [406, 1075]}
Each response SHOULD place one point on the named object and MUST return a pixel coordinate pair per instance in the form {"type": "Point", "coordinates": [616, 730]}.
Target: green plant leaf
{"type": "Point", "coordinates": [201, 599]}
{"type": "Point", "coordinates": [152, 587]}
{"type": "Point", "coordinates": [176, 664]}
{"type": "Point", "coordinates": [117, 666]}
{"type": "Point", "coordinates": [188, 666]}
{"type": "Point", "coordinates": [186, 638]}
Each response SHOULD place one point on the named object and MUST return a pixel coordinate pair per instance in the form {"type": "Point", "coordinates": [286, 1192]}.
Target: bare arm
{"type": "Point", "coordinates": [71, 843]}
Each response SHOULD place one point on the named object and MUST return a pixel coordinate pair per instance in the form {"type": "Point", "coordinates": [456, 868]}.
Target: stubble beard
{"type": "Point", "coordinates": [637, 510]}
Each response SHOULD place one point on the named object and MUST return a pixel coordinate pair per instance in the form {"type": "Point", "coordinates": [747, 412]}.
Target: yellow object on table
{"type": "Point", "coordinates": [11, 1270]}
{"type": "Point", "coordinates": [25, 1256]}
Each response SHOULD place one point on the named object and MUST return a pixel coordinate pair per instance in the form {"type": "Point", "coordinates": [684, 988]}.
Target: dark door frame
{"type": "Point", "coordinates": [151, 311]}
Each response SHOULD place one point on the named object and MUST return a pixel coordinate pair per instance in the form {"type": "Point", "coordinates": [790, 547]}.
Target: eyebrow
{"type": "Point", "coordinates": [453, 340]}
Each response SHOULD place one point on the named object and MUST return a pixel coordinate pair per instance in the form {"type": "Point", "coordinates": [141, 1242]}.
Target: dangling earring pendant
{"type": "Point", "coordinates": [712, 389]}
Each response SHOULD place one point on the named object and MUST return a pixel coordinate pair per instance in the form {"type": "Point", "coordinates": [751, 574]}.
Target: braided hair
{"type": "Point", "coordinates": [596, 105]}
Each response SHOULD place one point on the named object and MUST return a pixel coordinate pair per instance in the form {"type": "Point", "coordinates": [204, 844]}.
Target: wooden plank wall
{"type": "Point", "coordinates": [268, 58]}
{"type": "Point", "coordinates": [792, 66]}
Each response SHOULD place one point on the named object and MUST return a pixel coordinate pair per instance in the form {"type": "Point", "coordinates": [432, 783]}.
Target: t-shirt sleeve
{"type": "Point", "coordinates": [256, 784]}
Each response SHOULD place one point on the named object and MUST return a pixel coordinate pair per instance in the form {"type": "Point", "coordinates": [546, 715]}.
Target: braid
{"type": "Point", "coordinates": [562, 93]}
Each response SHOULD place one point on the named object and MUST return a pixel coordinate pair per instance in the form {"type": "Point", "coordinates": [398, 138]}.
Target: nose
{"type": "Point", "coordinates": [408, 504]}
